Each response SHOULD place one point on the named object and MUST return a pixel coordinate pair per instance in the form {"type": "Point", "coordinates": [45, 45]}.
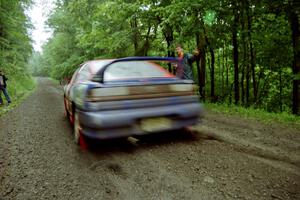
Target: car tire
{"type": "Point", "coordinates": [79, 138]}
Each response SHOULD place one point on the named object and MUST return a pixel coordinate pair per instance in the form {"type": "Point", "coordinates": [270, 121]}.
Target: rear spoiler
{"type": "Point", "coordinates": [100, 74]}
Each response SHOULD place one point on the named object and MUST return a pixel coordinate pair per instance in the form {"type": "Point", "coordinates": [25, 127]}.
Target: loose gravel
{"type": "Point", "coordinates": [223, 158]}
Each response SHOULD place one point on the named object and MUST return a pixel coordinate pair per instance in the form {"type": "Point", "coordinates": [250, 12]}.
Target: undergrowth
{"type": "Point", "coordinates": [18, 89]}
{"type": "Point", "coordinates": [254, 113]}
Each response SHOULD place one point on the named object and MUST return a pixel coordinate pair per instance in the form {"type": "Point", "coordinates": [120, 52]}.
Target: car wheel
{"type": "Point", "coordinates": [78, 136]}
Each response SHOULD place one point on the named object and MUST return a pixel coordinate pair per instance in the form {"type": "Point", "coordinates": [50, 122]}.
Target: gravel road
{"type": "Point", "coordinates": [223, 158]}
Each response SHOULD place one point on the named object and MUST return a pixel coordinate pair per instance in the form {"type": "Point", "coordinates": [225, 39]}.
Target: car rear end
{"type": "Point", "coordinates": [125, 107]}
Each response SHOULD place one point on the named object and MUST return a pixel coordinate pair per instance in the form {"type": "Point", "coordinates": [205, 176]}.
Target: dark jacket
{"type": "Point", "coordinates": [184, 70]}
{"type": "Point", "coordinates": [4, 81]}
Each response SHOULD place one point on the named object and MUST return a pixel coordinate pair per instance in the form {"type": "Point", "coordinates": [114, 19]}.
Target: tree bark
{"type": "Point", "coordinates": [252, 61]}
{"type": "Point", "coordinates": [168, 33]}
{"type": "Point", "coordinates": [133, 24]}
{"type": "Point", "coordinates": [247, 85]}
{"type": "Point", "coordinates": [280, 90]}
{"type": "Point", "coordinates": [146, 45]}
{"type": "Point", "coordinates": [235, 55]}
{"type": "Point", "coordinates": [212, 75]}
{"type": "Point", "coordinates": [245, 60]}
{"type": "Point", "coordinates": [245, 67]}
{"type": "Point", "coordinates": [203, 72]}
{"type": "Point", "coordinates": [243, 85]}
{"type": "Point", "coordinates": [223, 68]}
{"type": "Point", "coordinates": [227, 75]}
{"type": "Point", "coordinates": [200, 62]}
{"type": "Point", "coordinates": [212, 66]}
{"type": "Point", "coordinates": [294, 19]}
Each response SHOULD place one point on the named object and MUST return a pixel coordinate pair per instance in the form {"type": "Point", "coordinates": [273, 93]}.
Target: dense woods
{"type": "Point", "coordinates": [249, 49]}
{"type": "Point", "coordinates": [15, 45]}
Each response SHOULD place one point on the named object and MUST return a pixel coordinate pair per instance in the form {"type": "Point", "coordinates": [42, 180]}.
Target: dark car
{"type": "Point", "coordinates": [116, 98]}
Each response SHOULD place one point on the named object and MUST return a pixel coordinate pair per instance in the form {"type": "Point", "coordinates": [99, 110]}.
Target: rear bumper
{"type": "Point", "coordinates": [126, 122]}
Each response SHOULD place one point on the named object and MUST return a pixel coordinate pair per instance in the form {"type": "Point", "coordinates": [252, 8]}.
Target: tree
{"type": "Point", "coordinates": [15, 43]}
{"type": "Point", "coordinates": [246, 44]}
{"type": "Point", "coordinates": [294, 16]}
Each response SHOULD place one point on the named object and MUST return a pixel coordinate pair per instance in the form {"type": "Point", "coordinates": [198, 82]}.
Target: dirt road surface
{"type": "Point", "coordinates": [224, 158]}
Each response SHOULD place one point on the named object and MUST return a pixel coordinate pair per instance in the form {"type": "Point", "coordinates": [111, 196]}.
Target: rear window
{"type": "Point", "coordinates": [135, 70]}
{"type": "Point", "coordinates": [96, 65]}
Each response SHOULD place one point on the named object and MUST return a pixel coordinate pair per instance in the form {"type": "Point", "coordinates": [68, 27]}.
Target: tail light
{"type": "Point", "coordinates": [139, 92]}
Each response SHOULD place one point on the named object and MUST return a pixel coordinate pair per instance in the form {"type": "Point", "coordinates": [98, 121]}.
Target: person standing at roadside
{"type": "Point", "coordinates": [184, 69]}
{"type": "Point", "coordinates": [3, 80]}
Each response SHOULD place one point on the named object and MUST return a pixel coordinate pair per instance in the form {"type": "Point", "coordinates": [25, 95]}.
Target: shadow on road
{"type": "Point", "coordinates": [131, 144]}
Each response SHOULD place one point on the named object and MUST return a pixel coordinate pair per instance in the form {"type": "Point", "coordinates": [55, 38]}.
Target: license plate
{"type": "Point", "coordinates": [156, 124]}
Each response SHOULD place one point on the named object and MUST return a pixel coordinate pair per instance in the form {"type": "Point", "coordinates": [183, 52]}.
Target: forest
{"type": "Point", "coordinates": [249, 49]}
{"type": "Point", "coordinates": [15, 46]}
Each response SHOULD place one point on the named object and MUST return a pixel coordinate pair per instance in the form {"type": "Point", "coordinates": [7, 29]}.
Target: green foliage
{"type": "Point", "coordinates": [15, 47]}
{"type": "Point", "coordinates": [20, 88]}
{"type": "Point", "coordinates": [90, 29]}
{"type": "Point", "coordinates": [210, 17]}
{"type": "Point", "coordinates": [272, 42]}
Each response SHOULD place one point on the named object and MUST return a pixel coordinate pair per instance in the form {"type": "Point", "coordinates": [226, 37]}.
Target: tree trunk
{"type": "Point", "coordinates": [146, 45]}
{"type": "Point", "coordinates": [212, 69]}
{"type": "Point", "coordinates": [200, 62]}
{"type": "Point", "coordinates": [227, 75]}
{"type": "Point", "coordinates": [168, 33]}
{"type": "Point", "coordinates": [220, 74]}
{"type": "Point", "coordinates": [280, 90]}
{"type": "Point", "coordinates": [252, 61]}
{"type": "Point", "coordinates": [294, 19]}
{"type": "Point", "coordinates": [245, 60]}
{"type": "Point", "coordinates": [235, 55]}
{"type": "Point", "coordinates": [212, 75]}
{"type": "Point", "coordinates": [247, 85]}
{"type": "Point", "coordinates": [133, 24]}
{"type": "Point", "coordinates": [203, 72]}
{"type": "Point", "coordinates": [223, 67]}
{"type": "Point", "coordinates": [242, 85]}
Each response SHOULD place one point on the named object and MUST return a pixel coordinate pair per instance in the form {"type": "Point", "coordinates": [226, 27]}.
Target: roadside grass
{"type": "Point", "coordinates": [254, 113]}
{"type": "Point", "coordinates": [18, 90]}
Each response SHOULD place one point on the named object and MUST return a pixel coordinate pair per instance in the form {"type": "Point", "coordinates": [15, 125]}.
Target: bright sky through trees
{"type": "Point", "coordinates": [38, 14]}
